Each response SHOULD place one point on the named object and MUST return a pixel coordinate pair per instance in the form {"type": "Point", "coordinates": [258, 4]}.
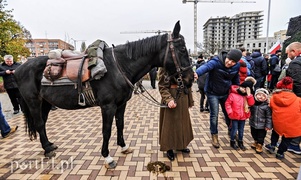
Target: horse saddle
{"type": "Point", "coordinates": [66, 64]}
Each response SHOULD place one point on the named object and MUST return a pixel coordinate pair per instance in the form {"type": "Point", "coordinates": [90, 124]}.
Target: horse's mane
{"type": "Point", "coordinates": [144, 46]}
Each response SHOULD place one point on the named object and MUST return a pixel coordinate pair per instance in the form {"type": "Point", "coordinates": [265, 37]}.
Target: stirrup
{"type": "Point", "coordinates": [81, 99]}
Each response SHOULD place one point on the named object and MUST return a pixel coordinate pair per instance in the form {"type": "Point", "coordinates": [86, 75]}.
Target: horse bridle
{"type": "Point", "coordinates": [178, 66]}
{"type": "Point", "coordinates": [175, 58]}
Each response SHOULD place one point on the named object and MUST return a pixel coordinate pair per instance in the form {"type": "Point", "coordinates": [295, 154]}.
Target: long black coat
{"type": "Point", "coordinates": [294, 71]}
{"type": "Point", "coordinates": [9, 79]}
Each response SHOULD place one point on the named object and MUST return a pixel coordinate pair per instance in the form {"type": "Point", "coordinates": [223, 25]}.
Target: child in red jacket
{"type": "Point", "coordinates": [238, 108]}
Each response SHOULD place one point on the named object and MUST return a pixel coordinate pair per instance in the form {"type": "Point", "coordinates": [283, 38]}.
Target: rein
{"type": "Point", "coordinates": [179, 68]}
{"type": "Point", "coordinates": [151, 98]}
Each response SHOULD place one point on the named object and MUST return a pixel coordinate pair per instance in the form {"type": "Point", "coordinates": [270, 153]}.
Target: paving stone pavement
{"type": "Point", "coordinates": [78, 134]}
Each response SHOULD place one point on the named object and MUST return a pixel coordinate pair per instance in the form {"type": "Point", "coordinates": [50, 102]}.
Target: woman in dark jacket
{"type": "Point", "coordinates": [260, 68]}
{"type": "Point", "coordinates": [201, 86]}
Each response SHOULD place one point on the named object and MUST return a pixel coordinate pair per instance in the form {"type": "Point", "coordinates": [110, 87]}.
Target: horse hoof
{"type": "Point", "coordinates": [111, 165]}
{"type": "Point", "coordinates": [54, 146]}
{"type": "Point", "coordinates": [127, 151]}
{"type": "Point", "coordinates": [50, 154]}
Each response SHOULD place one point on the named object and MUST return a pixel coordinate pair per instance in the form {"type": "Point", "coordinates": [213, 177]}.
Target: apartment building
{"type": "Point", "coordinates": [41, 47]}
{"type": "Point", "coordinates": [231, 32]}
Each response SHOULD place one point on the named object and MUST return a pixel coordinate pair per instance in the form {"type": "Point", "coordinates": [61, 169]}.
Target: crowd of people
{"type": "Point", "coordinates": [246, 86]}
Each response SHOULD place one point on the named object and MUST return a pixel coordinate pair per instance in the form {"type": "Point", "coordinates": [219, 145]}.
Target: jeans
{"type": "Point", "coordinates": [214, 102]}
{"type": "Point", "coordinates": [4, 127]}
{"type": "Point", "coordinates": [259, 82]}
{"type": "Point", "coordinates": [237, 125]}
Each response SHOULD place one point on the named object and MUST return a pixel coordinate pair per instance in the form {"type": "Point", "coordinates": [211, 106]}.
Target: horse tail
{"type": "Point", "coordinates": [29, 122]}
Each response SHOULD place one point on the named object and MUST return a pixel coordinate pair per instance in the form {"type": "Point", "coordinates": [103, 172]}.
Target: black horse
{"type": "Point", "coordinates": [126, 64]}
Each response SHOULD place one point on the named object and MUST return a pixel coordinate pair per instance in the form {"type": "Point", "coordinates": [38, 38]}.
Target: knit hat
{"type": "Point", "coordinates": [234, 54]}
{"type": "Point", "coordinates": [285, 83]}
{"type": "Point", "coordinates": [242, 63]}
{"type": "Point", "coordinates": [249, 82]}
{"type": "Point", "coordinates": [200, 56]}
{"type": "Point", "coordinates": [262, 91]}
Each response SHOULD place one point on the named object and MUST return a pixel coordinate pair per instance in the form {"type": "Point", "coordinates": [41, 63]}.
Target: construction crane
{"type": "Point", "coordinates": [75, 41]}
{"type": "Point", "coordinates": [146, 31]}
{"type": "Point", "coordinates": [195, 13]}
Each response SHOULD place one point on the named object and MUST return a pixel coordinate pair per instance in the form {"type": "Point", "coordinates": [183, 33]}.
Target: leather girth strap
{"type": "Point", "coordinates": [81, 97]}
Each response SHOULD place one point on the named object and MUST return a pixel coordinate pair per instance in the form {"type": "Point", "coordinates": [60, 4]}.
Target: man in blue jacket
{"type": "Point", "coordinates": [222, 73]}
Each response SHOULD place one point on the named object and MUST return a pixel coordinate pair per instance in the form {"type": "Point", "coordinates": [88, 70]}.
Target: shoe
{"type": "Point", "coordinates": [202, 109]}
{"type": "Point", "coordinates": [259, 149]}
{"type": "Point", "coordinates": [241, 145]}
{"type": "Point", "coordinates": [214, 140]}
{"type": "Point", "coordinates": [12, 130]}
{"type": "Point", "coordinates": [170, 155]}
{"type": "Point", "coordinates": [294, 149]}
{"type": "Point", "coordinates": [16, 111]}
{"type": "Point", "coordinates": [270, 148]}
{"type": "Point", "coordinates": [254, 145]}
{"type": "Point", "coordinates": [279, 156]}
{"type": "Point", "coordinates": [233, 145]}
{"type": "Point", "coordinates": [186, 150]}
{"type": "Point", "coordinates": [207, 109]}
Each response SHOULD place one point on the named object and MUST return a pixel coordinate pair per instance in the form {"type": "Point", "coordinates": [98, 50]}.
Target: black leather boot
{"type": "Point", "coordinates": [241, 145]}
{"type": "Point", "coordinates": [170, 155]}
{"type": "Point", "coordinates": [233, 145]}
{"type": "Point", "coordinates": [202, 109]}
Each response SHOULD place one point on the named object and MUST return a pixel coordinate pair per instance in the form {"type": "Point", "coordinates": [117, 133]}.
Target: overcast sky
{"type": "Point", "coordinates": [104, 19]}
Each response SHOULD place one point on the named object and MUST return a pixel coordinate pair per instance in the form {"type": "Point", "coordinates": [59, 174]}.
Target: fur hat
{"type": "Point", "coordinates": [262, 91]}
{"type": "Point", "coordinates": [234, 54]}
{"type": "Point", "coordinates": [249, 82]}
{"type": "Point", "coordinates": [285, 83]}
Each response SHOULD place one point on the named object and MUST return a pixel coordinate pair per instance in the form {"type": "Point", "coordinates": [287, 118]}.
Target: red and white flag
{"type": "Point", "coordinates": [275, 47]}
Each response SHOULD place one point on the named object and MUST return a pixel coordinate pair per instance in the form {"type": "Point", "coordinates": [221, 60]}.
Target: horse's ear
{"type": "Point", "coordinates": [176, 30]}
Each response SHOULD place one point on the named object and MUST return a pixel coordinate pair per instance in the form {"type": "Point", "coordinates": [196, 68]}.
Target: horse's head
{"type": "Point", "coordinates": [176, 60]}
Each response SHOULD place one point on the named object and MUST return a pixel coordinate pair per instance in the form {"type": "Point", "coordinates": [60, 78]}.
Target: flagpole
{"type": "Point", "coordinates": [268, 24]}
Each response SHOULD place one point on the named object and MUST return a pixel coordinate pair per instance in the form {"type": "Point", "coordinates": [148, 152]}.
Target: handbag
{"type": "Point", "coordinates": [278, 67]}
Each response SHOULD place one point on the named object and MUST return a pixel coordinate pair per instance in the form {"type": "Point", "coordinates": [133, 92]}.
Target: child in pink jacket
{"type": "Point", "coordinates": [238, 108]}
